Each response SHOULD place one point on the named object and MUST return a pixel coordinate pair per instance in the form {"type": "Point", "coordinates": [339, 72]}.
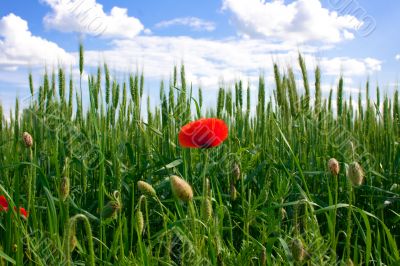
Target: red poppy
{"type": "Point", "coordinates": [24, 214]}
{"type": "Point", "coordinates": [3, 204]}
{"type": "Point", "coordinates": [203, 133]}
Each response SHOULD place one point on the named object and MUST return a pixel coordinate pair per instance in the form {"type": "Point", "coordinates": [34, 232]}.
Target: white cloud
{"type": "Point", "coordinates": [209, 61]}
{"type": "Point", "coordinates": [348, 35]}
{"type": "Point", "coordinates": [397, 57]}
{"type": "Point", "coordinates": [348, 88]}
{"type": "Point", "coordinates": [350, 66]}
{"type": "Point", "coordinates": [18, 47]}
{"type": "Point", "coordinates": [299, 21]}
{"type": "Point", "coordinates": [147, 31]}
{"type": "Point", "coordinates": [88, 17]}
{"type": "Point", "coordinates": [9, 68]}
{"type": "Point", "coordinates": [192, 22]}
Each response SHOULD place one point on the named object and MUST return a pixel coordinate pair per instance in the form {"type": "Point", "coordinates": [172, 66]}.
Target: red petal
{"type": "Point", "coordinates": [3, 203]}
{"type": "Point", "coordinates": [203, 133]}
{"type": "Point", "coordinates": [22, 212]}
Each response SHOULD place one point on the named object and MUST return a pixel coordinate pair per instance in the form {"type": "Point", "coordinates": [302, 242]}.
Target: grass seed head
{"type": "Point", "coordinates": [236, 171]}
{"type": "Point", "coordinates": [355, 174]}
{"type": "Point", "coordinates": [146, 188]}
{"type": "Point", "coordinates": [142, 200]}
{"type": "Point", "coordinates": [349, 262]}
{"type": "Point", "coordinates": [206, 209]}
{"type": "Point", "coordinates": [28, 140]}
{"type": "Point", "coordinates": [298, 251]}
{"type": "Point", "coordinates": [64, 188]}
{"type": "Point", "coordinates": [333, 166]}
{"type": "Point", "coordinates": [73, 242]}
{"type": "Point", "coordinates": [233, 192]}
{"type": "Point", "coordinates": [207, 188]}
{"type": "Point", "coordinates": [139, 221]}
{"type": "Point", "coordinates": [283, 214]}
{"type": "Point", "coordinates": [181, 188]}
{"type": "Point", "coordinates": [111, 209]}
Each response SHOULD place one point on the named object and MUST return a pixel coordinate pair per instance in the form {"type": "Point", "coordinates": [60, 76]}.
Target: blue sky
{"type": "Point", "coordinates": [218, 40]}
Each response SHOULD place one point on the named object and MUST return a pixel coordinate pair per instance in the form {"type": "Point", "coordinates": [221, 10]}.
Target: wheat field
{"type": "Point", "coordinates": [300, 180]}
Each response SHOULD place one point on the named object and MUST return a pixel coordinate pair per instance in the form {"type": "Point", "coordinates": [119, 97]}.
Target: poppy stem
{"type": "Point", "coordinates": [204, 173]}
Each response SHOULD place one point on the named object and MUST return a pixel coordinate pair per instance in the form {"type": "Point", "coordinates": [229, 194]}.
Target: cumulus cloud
{"type": "Point", "coordinates": [88, 17]}
{"type": "Point", "coordinates": [18, 47]}
{"type": "Point", "coordinates": [208, 61]}
{"type": "Point", "coordinates": [350, 66]}
{"type": "Point", "coordinates": [299, 21]}
{"type": "Point", "coordinates": [192, 22]}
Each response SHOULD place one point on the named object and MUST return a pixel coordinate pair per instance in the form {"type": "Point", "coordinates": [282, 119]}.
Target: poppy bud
{"type": "Point", "coordinates": [181, 188]}
{"type": "Point", "coordinates": [355, 174]}
{"type": "Point", "coordinates": [333, 166]}
{"type": "Point", "coordinates": [233, 192]}
{"type": "Point", "coordinates": [64, 188]}
{"type": "Point", "coordinates": [146, 188]}
{"type": "Point", "coordinates": [298, 250]}
{"type": "Point", "coordinates": [139, 221]}
{"type": "Point", "coordinates": [110, 211]}
{"type": "Point", "coordinates": [27, 139]}
{"type": "Point", "coordinates": [349, 262]}
{"type": "Point", "coordinates": [236, 171]}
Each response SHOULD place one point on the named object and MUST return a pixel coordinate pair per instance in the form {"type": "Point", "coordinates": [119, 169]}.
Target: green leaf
{"type": "Point", "coordinates": [171, 165]}
{"type": "Point", "coordinates": [6, 257]}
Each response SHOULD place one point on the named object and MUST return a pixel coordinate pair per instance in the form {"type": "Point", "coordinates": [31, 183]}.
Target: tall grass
{"type": "Point", "coordinates": [283, 197]}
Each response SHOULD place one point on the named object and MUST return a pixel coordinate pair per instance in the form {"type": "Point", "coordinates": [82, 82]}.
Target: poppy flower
{"type": "Point", "coordinates": [3, 204]}
{"type": "Point", "coordinates": [24, 214]}
{"type": "Point", "coordinates": [203, 133]}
